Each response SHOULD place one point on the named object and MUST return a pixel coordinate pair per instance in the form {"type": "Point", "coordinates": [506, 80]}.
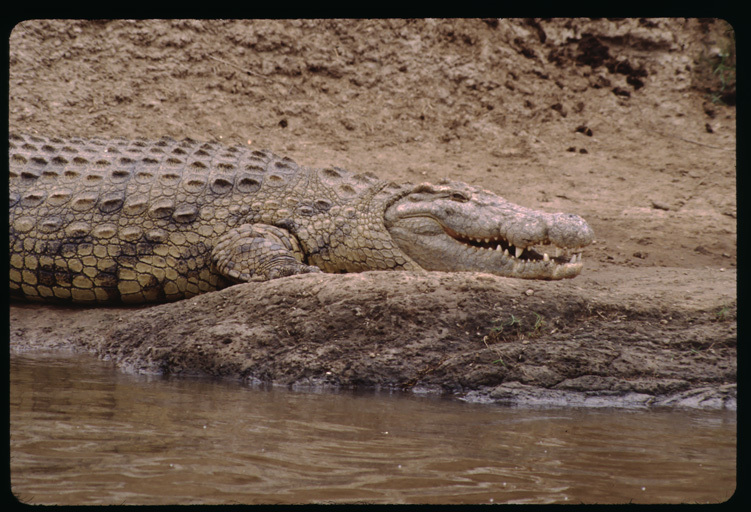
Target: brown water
{"type": "Point", "coordinates": [82, 433]}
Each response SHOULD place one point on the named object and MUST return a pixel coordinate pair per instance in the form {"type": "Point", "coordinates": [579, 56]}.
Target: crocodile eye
{"type": "Point", "coordinates": [458, 197]}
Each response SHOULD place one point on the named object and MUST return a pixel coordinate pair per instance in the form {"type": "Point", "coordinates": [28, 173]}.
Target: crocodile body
{"type": "Point", "coordinates": [119, 221]}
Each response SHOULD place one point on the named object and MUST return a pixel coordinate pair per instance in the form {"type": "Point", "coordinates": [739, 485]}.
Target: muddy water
{"type": "Point", "coordinates": [82, 433]}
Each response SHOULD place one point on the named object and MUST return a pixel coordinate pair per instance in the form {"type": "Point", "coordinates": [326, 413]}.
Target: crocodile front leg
{"type": "Point", "coordinates": [259, 252]}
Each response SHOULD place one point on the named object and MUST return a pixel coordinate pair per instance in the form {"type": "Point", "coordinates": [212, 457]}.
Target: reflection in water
{"type": "Point", "coordinates": [82, 433]}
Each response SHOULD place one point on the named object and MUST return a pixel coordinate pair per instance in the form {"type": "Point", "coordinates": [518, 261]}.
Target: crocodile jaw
{"type": "Point", "coordinates": [461, 228]}
{"type": "Point", "coordinates": [448, 251]}
{"type": "Point", "coordinates": [498, 256]}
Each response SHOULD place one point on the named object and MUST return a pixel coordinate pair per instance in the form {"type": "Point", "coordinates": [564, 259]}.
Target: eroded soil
{"type": "Point", "coordinates": [629, 123]}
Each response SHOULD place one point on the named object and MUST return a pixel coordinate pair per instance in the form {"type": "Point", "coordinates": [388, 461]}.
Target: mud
{"type": "Point", "coordinates": [629, 123]}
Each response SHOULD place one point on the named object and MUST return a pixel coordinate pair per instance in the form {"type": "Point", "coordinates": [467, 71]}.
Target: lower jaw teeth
{"type": "Point", "coordinates": [546, 258]}
{"type": "Point", "coordinates": [575, 258]}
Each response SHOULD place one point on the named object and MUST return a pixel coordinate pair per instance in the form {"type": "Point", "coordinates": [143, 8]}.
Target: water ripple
{"type": "Point", "coordinates": [82, 433]}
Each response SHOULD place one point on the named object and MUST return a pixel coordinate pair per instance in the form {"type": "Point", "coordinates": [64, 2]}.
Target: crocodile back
{"type": "Point", "coordinates": [97, 220]}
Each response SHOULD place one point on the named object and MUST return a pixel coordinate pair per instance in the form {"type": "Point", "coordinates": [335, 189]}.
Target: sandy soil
{"type": "Point", "coordinates": [629, 123]}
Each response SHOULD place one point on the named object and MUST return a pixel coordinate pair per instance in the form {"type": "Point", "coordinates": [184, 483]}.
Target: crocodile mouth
{"type": "Point", "coordinates": [542, 251]}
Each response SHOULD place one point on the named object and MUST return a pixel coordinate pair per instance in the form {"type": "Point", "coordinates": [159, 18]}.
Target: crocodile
{"type": "Point", "coordinates": [108, 221]}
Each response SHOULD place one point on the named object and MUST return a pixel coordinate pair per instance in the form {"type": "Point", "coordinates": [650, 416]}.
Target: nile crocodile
{"type": "Point", "coordinates": [118, 221]}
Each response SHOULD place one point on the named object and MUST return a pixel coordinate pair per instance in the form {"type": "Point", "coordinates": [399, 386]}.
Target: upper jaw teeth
{"type": "Point", "coordinates": [515, 251]}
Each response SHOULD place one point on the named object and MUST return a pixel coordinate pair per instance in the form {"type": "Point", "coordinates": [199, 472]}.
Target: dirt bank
{"type": "Point", "coordinates": [629, 123]}
{"type": "Point", "coordinates": [473, 335]}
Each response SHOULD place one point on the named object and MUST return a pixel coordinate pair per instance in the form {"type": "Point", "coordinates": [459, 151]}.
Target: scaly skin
{"type": "Point", "coordinates": [118, 221]}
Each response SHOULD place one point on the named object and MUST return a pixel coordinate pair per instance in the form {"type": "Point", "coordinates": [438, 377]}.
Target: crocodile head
{"type": "Point", "coordinates": [456, 227]}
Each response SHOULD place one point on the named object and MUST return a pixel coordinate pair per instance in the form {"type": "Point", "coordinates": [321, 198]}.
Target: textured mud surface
{"type": "Point", "coordinates": [623, 122]}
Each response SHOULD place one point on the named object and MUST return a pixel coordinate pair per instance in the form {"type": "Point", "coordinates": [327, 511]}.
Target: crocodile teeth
{"type": "Point", "coordinates": [505, 252]}
{"type": "Point", "coordinates": [545, 257]}
{"type": "Point", "coordinates": [573, 259]}
{"type": "Point", "coordinates": [519, 252]}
